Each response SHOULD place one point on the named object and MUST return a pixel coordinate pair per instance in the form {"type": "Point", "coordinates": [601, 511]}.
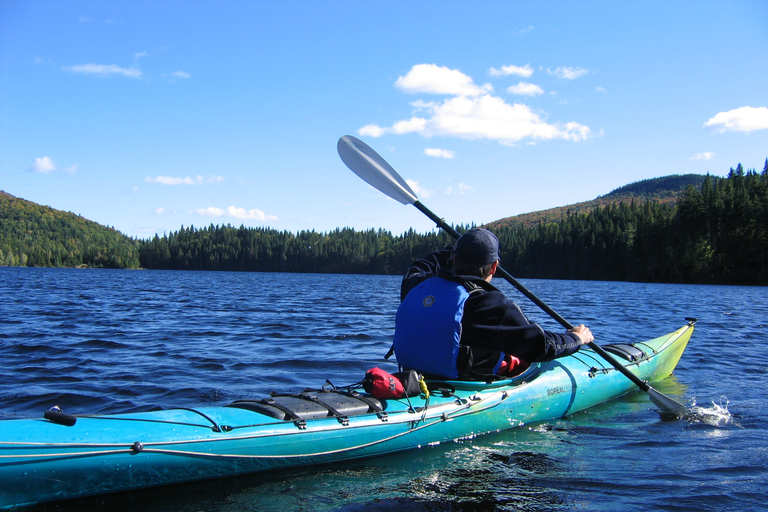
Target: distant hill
{"type": "Point", "coordinates": [40, 236]}
{"type": "Point", "coordinates": [666, 189]}
{"type": "Point", "coordinates": [35, 235]}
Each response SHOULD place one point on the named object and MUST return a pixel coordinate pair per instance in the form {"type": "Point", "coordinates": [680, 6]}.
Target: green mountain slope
{"type": "Point", "coordinates": [665, 190]}
{"type": "Point", "coordinates": [35, 235]}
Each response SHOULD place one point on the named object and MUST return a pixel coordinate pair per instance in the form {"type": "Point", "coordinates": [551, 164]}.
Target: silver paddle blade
{"type": "Point", "coordinates": [371, 167]}
{"type": "Point", "coordinates": [666, 404]}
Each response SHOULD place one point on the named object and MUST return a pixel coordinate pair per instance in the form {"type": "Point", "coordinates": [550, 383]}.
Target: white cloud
{"type": "Point", "coordinates": [568, 73]}
{"type": "Point", "coordinates": [469, 115]}
{"type": "Point", "coordinates": [211, 211]}
{"type": "Point", "coordinates": [434, 79]}
{"type": "Point", "coordinates": [372, 130]}
{"type": "Point", "coordinates": [462, 188]}
{"type": "Point", "coordinates": [483, 117]}
{"type": "Point", "coordinates": [744, 119]}
{"type": "Point", "coordinates": [105, 70]}
{"type": "Point", "coordinates": [524, 31]}
{"type": "Point", "coordinates": [418, 189]}
{"type": "Point", "coordinates": [413, 124]}
{"type": "Point", "coordinates": [171, 180]}
{"type": "Point", "coordinates": [235, 212]}
{"type": "Point", "coordinates": [439, 153]}
{"type": "Point", "coordinates": [181, 74]}
{"type": "Point", "coordinates": [524, 71]}
{"type": "Point", "coordinates": [45, 165]}
{"type": "Point", "coordinates": [525, 89]}
{"type": "Point", "coordinates": [601, 89]}
{"type": "Point", "coordinates": [707, 155]}
{"type": "Point", "coordinates": [164, 211]}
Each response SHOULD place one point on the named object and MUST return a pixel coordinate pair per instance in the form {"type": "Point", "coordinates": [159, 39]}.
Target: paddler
{"type": "Point", "coordinates": [453, 323]}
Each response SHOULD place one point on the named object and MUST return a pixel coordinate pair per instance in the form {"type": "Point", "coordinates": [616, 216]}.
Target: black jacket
{"type": "Point", "coordinates": [492, 323]}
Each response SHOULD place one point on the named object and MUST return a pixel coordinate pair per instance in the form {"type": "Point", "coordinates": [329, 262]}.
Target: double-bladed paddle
{"type": "Point", "coordinates": [372, 168]}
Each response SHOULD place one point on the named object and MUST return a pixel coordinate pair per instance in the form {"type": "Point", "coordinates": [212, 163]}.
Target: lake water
{"type": "Point", "coordinates": [108, 341]}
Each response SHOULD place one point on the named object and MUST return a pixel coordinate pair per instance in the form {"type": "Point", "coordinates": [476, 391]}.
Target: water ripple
{"type": "Point", "coordinates": [107, 341]}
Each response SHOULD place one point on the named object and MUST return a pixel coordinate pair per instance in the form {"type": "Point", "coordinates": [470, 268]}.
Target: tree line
{"type": "Point", "coordinates": [716, 232]}
{"type": "Point", "coordinates": [344, 251]}
{"type": "Point", "coordinates": [32, 235]}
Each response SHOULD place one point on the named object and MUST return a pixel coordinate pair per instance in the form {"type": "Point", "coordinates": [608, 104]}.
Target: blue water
{"type": "Point", "coordinates": [104, 341]}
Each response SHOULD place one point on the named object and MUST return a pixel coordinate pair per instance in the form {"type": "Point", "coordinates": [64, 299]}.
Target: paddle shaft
{"type": "Point", "coordinates": [533, 298]}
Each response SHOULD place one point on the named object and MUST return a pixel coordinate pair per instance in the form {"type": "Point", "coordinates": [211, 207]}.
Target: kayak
{"type": "Point", "coordinates": [62, 456]}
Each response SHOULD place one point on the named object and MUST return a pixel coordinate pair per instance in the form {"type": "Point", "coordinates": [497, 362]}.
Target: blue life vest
{"type": "Point", "coordinates": [428, 327]}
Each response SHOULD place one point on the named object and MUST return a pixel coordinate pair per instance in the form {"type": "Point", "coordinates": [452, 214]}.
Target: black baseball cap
{"type": "Point", "coordinates": [478, 246]}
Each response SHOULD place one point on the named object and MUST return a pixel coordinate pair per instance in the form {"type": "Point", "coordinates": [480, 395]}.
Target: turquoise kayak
{"type": "Point", "coordinates": [60, 456]}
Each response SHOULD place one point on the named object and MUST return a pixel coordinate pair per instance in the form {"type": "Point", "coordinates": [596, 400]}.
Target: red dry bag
{"type": "Point", "coordinates": [381, 384]}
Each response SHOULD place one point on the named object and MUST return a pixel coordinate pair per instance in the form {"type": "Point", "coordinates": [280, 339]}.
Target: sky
{"type": "Point", "coordinates": [152, 115]}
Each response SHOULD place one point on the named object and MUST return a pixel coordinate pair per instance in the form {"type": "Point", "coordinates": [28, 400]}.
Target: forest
{"type": "Point", "coordinates": [715, 230]}
{"type": "Point", "coordinates": [665, 190]}
{"type": "Point", "coordinates": [32, 235]}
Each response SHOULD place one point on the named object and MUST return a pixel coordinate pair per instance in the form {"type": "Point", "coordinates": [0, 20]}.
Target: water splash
{"type": "Point", "coordinates": [717, 415]}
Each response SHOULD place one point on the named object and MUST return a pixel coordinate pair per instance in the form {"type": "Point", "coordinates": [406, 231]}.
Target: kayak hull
{"type": "Point", "coordinates": [43, 460]}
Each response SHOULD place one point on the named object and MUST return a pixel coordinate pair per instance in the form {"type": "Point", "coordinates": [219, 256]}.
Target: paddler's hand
{"type": "Point", "coordinates": [584, 334]}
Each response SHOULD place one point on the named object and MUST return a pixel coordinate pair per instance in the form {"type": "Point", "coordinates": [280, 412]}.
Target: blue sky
{"type": "Point", "coordinates": [150, 115]}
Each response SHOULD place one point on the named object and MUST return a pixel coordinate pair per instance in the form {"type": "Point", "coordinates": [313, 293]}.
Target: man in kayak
{"type": "Point", "coordinates": [454, 324]}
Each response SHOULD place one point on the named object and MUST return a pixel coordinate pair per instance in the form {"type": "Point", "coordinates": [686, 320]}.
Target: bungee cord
{"type": "Point", "coordinates": [463, 410]}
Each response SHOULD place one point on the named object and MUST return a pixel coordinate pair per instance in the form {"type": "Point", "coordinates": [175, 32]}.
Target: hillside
{"type": "Point", "coordinates": [35, 235]}
{"type": "Point", "coordinates": [666, 189]}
